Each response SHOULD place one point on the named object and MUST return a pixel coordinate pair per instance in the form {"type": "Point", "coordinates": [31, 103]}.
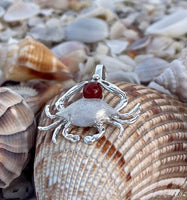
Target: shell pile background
{"type": "Point", "coordinates": [142, 42]}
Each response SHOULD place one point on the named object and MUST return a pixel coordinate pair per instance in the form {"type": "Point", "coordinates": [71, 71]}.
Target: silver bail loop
{"type": "Point", "coordinates": [99, 73]}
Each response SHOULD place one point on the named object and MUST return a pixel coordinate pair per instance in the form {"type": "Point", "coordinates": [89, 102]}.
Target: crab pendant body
{"type": "Point", "coordinates": [88, 113]}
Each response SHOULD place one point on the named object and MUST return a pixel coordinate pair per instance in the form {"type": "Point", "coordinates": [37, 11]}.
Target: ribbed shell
{"type": "Point", "coordinates": [148, 162]}
{"type": "Point", "coordinates": [17, 128]}
{"type": "Point", "coordinates": [30, 59]}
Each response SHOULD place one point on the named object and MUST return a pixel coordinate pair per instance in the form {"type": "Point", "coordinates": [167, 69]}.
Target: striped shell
{"type": "Point", "coordinates": [148, 162]}
{"type": "Point", "coordinates": [17, 128]}
{"type": "Point", "coordinates": [30, 59]}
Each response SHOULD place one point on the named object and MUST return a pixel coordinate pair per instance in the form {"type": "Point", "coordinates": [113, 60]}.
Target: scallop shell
{"type": "Point", "coordinates": [30, 59]}
{"type": "Point", "coordinates": [17, 129]}
{"type": "Point", "coordinates": [147, 162]}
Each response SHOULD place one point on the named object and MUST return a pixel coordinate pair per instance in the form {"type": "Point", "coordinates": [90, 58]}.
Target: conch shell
{"type": "Point", "coordinates": [17, 130]}
{"type": "Point", "coordinates": [174, 78]}
{"type": "Point", "coordinates": [147, 162]}
{"type": "Point", "coordinates": [30, 59]}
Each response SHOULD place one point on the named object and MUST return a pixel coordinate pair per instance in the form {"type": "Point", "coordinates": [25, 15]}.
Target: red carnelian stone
{"type": "Point", "coordinates": [92, 90]}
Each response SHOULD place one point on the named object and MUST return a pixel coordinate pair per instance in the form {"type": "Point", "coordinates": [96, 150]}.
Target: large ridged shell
{"type": "Point", "coordinates": [30, 59]}
{"type": "Point", "coordinates": [17, 128]}
{"type": "Point", "coordinates": [148, 162]}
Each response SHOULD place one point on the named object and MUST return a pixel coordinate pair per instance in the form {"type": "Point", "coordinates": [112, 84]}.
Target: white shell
{"type": "Point", "coordinates": [56, 4]}
{"type": "Point", "coordinates": [116, 30]}
{"type": "Point", "coordinates": [117, 46]}
{"type": "Point", "coordinates": [130, 77]}
{"type": "Point", "coordinates": [2, 11]}
{"type": "Point", "coordinates": [21, 10]}
{"type": "Point", "coordinates": [104, 13]}
{"type": "Point", "coordinates": [110, 62]}
{"type": "Point", "coordinates": [68, 47]}
{"type": "Point", "coordinates": [140, 43]}
{"type": "Point", "coordinates": [87, 30]}
{"type": "Point", "coordinates": [172, 25]}
{"type": "Point", "coordinates": [174, 79]}
{"type": "Point", "coordinates": [150, 68]}
{"type": "Point", "coordinates": [46, 33]}
{"type": "Point", "coordinates": [162, 46]}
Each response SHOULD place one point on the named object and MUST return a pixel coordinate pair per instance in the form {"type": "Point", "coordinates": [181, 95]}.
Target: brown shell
{"type": "Point", "coordinates": [30, 59]}
{"type": "Point", "coordinates": [17, 128]}
{"type": "Point", "coordinates": [148, 162]}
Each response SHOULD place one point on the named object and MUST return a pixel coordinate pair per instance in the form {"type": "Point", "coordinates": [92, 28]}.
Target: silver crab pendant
{"type": "Point", "coordinates": [99, 111]}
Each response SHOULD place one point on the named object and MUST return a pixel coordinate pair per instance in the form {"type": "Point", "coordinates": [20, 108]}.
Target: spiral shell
{"type": "Point", "coordinates": [148, 162]}
{"type": "Point", "coordinates": [174, 78]}
{"type": "Point", "coordinates": [30, 59]}
{"type": "Point", "coordinates": [17, 128]}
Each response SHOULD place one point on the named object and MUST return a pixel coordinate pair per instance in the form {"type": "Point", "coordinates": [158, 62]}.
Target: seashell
{"type": "Point", "coordinates": [110, 62]}
{"type": "Point", "coordinates": [73, 60]}
{"type": "Point", "coordinates": [21, 10]}
{"type": "Point", "coordinates": [162, 47]}
{"type": "Point", "coordinates": [68, 47]}
{"type": "Point", "coordinates": [2, 11]}
{"type": "Point", "coordinates": [173, 25]}
{"type": "Point", "coordinates": [150, 68]}
{"type": "Point", "coordinates": [116, 30]}
{"type": "Point", "coordinates": [71, 53]}
{"type": "Point", "coordinates": [174, 79]}
{"type": "Point", "coordinates": [130, 77]}
{"type": "Point", "coordinates": [35, 21]}
{"type": "Point", "coordinates": [88, 30]}
{"type": "Point", "coordinates": [56, 4]}
{"type": "Point", "coordinates": [7, 34]}
{"type": "Point", "coordinates": [131, 34]}
{"type": "Point", "coordinates": [140, 43]}
{"type": "Point", "coordinates": [102, 49]}
{"type": "Point", "coordinates": [30, 59]}
{"type": "Point", "coordinates": [147, 162]}
{"type": "Point", "coordinates": [158, 87]}
{"type": "Point", "coordinates": [109, 4]}
{"type": "Point", "coordinates": [17, 130]}
{"type": "Point", "coordinates": [46, 33]}
{"type": "Point", "coordinates": [99, 12]}
{"type": "Point", "coordinates": [117, 46]}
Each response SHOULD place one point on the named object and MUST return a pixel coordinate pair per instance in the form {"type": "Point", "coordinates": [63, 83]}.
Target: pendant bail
{"type": "Point", "coordinates": [99, 73]}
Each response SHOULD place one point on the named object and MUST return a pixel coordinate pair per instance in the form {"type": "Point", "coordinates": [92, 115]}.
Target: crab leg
{"type": "Point", "coordinates": [61, 101]}
{"type": "Point", "coordinates": [114, 89]}
{"type": "Point", "coordinates": [131, 113]}
{"type": "Point", "coordinates": [93, 138]}
{"type": "Point", "coordinates": [127, 121]}
{"type": "Point", "coordinates": [71, 137]}
{"type": "Point", "coordinates": [120, 126]}
{"type": "Point", "coordinates": [48, 114]}
{"type": "Point", "coordinates": [45, 128]}
{"type": "Point", "coordinates": [56, 131]}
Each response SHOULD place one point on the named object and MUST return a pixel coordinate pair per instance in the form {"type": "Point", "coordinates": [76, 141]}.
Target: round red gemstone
{"type": "Point", "coordinates": [92, 90]}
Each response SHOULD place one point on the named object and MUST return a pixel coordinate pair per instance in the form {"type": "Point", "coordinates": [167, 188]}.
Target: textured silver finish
{"type": "Point", "coordinates": [90, 112]}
